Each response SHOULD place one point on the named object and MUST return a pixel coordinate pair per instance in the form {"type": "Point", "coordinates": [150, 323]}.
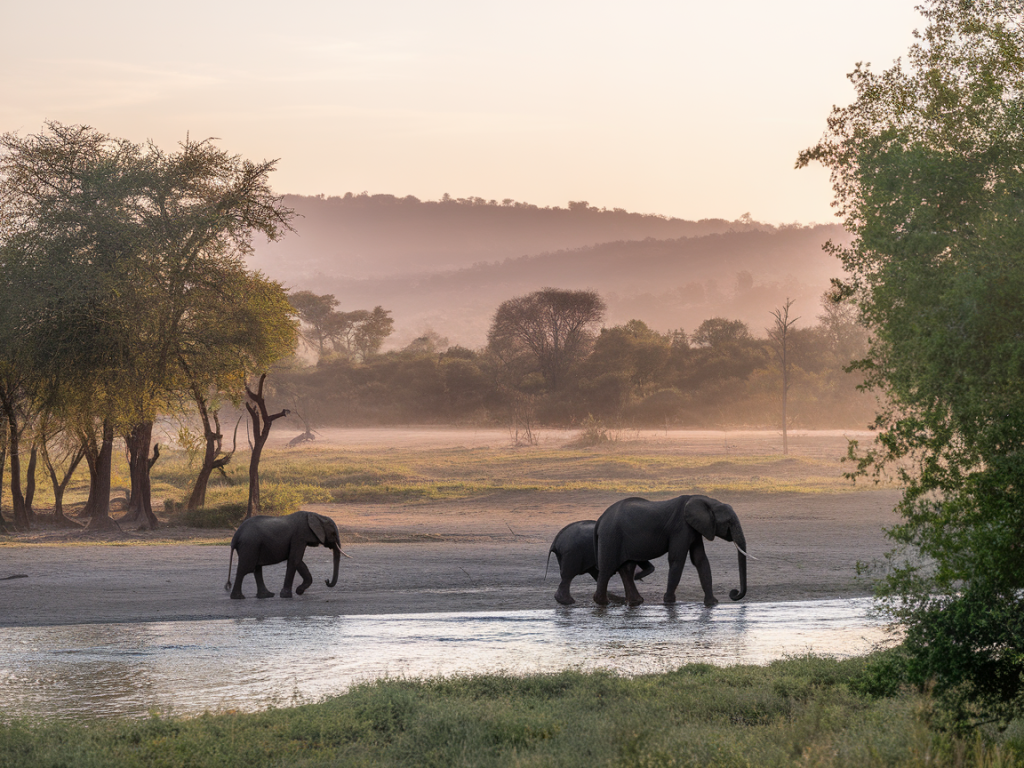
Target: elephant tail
{"type": "Point", "coordinates": [548, 564]}
{"type": "Point", "coordinates": [227, 586]}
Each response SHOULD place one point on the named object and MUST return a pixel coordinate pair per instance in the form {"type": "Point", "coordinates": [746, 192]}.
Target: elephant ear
{"type": "Point", "coordinates": [697, 513]}
{"type": "Point", "coordinates": [317, 527]}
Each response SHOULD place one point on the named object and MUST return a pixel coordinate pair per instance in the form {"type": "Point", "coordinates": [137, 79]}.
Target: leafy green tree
{"type": "Point", "coordinates": [928, 170]}
{"type": "Point", "coordinates": [122, 243]}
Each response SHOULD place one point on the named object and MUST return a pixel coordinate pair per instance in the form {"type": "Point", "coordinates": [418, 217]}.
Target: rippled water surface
{"type": "Point", "coordinates": [187, 667]}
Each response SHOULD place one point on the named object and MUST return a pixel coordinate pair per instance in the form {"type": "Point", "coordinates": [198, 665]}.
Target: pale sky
{"type": "Point", "coordinates": [688, 109]}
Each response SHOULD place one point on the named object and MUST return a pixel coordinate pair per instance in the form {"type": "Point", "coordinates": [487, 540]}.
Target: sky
{"type": "Point", "coordinates": [681, 108]}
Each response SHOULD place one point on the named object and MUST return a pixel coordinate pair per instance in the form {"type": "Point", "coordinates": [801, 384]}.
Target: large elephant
{"type": "Point", "coordinates": [264, 540]}
{"type": "Point", "coordinates": [635, 529]}
{"type": "Point", "coordinates": [574, 550]}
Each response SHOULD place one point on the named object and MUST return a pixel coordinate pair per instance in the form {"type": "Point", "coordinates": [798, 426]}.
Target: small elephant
{"type": "Point", "coordinates": [574, 549]}
{"type": "Point", "coordinates": [635, 529]}
{"type": "Point", "coordinates": [264, 540]}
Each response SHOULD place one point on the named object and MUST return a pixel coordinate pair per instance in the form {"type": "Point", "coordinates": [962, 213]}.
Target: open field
{"type": "Point", "coordinates": [450, 520]}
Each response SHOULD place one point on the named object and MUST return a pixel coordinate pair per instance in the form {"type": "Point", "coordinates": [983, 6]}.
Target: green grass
{"type": "Point", "coordinates": [799, 712]}
{"type": "Point", "coordinates": [313, 474]}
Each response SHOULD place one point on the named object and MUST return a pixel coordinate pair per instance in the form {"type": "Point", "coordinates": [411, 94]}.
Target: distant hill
{"type": "Point", "coordinates": [668, 283]}
{"type": "Point", "coordinates": [361, 236]}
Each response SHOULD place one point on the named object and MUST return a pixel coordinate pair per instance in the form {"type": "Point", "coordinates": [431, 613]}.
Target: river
{"type": "Point", "coordinates": [86, 671]}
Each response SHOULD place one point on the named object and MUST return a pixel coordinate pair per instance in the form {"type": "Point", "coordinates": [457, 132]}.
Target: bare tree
{"type": "Point", "coordinates": [262, 421]}
{"type": "Point", "coordinates": [780, 338]}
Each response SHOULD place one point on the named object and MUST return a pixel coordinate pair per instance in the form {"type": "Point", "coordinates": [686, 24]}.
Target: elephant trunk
{"type": "Point", "coordinates": [337, 560]}
{"type": "Point", "coordinates": [741, 556]}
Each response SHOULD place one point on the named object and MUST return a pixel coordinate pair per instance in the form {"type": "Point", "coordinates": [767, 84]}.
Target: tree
{"type": "Point", "coordinates": [632, 349]}
{"type": "Point", "coordinates": [780, 336]}
{"type": "Point", "coordinates": [317, 312]}
{"type": "Point", "coordinates": [551, 327]}
{"type": "Point", "coordinates": [927, 167]}
{"type": "Point", "coordinates": [122, 243]}
{"type": "Point", "coordinates": [262, 421]}
{"type": "Point", "coordinates": [372, 331]}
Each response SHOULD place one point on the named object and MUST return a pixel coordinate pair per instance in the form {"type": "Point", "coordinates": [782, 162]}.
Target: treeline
{"type": "Point", "coordinates": [718, 374]}
{"type": "Point", "coordinates": [666, 283]}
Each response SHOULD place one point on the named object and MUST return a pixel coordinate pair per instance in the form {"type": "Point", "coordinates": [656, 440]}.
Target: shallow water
{"type": "Point", "coordinates": [188, 667]}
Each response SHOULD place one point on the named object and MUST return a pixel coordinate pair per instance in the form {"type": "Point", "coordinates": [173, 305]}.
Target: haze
{"type": "Point", "coordinates": [693, 110]}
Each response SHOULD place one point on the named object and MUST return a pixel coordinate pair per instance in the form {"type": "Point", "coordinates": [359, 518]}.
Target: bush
{"type": "Point", "coordinates": [227, 515]}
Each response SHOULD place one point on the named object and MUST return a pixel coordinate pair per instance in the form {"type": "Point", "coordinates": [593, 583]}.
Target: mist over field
{"type": "Point", "coordinates": [445, 266]}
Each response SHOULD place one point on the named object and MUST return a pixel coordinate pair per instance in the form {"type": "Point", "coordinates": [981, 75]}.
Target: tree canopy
{"type": "Point", "coordinates": [553, 327]}
{"type": "Point", "coordinates": [927, 166]}
{"type": "Point", "coordinates": [116, 259]}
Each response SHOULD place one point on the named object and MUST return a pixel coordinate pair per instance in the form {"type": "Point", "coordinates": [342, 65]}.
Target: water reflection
{"type": "Point", "coordinates": [102, 670]}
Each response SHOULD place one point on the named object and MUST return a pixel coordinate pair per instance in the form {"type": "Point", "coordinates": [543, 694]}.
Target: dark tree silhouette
{"type": "Point", "coordinates": [262, 421]}
{"type": "Point", "coordinates": [553, 327]}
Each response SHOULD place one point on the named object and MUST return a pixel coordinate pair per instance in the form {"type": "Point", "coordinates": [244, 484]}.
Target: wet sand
{"type": "Point", "coordinates": [482, 554]}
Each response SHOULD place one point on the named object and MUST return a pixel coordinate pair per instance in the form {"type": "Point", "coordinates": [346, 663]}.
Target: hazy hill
{"type": "Point", "coordinates": [668, 283]}
{"type": "Point", "coordinates": [360, 236]}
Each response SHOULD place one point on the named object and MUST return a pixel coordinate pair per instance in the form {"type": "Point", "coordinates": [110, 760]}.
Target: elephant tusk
{"type": "Point", "coordinates": [742, 552]}
{"type": "Point", "coordinates": [345, 553]}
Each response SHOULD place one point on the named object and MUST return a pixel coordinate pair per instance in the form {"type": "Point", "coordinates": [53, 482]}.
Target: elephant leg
{"type": "Point", "coordinates": [236, 590]}
{"type": "Point", "coordinates": [562, 595]}
{"type": "Point", "coordinates": [307, 578]}
{"type": "Point", "coordinates": [633, 596]}
{"type": "Point", "coordinates": [645, 569]}
{"type": "Point", "coordinates": [261, 588]}
{"type": "Point", "coordinates": [294, 564]}
{"type": "Point", "coordinates": [675, 572]}
{"type": "Point", "coordinates": [700, 561]}
{"type": "Point", "coordinates": [612, 597]}
{"type": "Point", "coordinates": [601, 592]}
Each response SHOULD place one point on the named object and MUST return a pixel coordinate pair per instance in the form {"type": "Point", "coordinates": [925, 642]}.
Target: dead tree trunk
{"type": "Point", "coordinates": [212, 457]}
{"type": "Point", "coordinates": [262, 420]}
{"type": "Point", "coordinates": [779, 336]}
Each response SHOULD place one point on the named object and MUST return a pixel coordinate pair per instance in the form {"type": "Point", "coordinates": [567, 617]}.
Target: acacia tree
{"type": "Point", "coordinates": [928, 171]}
{"type": "Point", "coordinates": [121, 242]}
{"type": "Point", "coordinates": [553, 328]}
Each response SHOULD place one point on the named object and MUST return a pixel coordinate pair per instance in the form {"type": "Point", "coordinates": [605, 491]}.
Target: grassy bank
{"type": "Point", "coordinates": [801, 712]}
{"type": "Point", "coordinates": [330, 474]}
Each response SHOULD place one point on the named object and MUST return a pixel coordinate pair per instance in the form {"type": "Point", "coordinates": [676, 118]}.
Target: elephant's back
{"type": "Point", "coordinates": [572, 535]}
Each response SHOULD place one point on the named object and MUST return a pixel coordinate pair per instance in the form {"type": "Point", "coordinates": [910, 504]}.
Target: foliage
{"type": "Point", "coordinates": [928, 169]}
{"type": "Point", "coordinates": [798, 712]}
{"type": "Point", "coordinates": [359, 332]}
{"type": "Point", "coordinates": [548, 331]}
{"type": "Point", "coordinates": [124, 276]}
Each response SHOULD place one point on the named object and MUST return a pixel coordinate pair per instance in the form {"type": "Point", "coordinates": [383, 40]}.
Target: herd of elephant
{"type": "Point", "coordinates": [624, 540]}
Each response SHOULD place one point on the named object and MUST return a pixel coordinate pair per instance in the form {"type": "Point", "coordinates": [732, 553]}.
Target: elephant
{"type": "Point", "coordinates": [264, 540]}
{"type": "Point", "coordinates": [574, 550]}
{"type": "Point", "coordinates": [633, 529]}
